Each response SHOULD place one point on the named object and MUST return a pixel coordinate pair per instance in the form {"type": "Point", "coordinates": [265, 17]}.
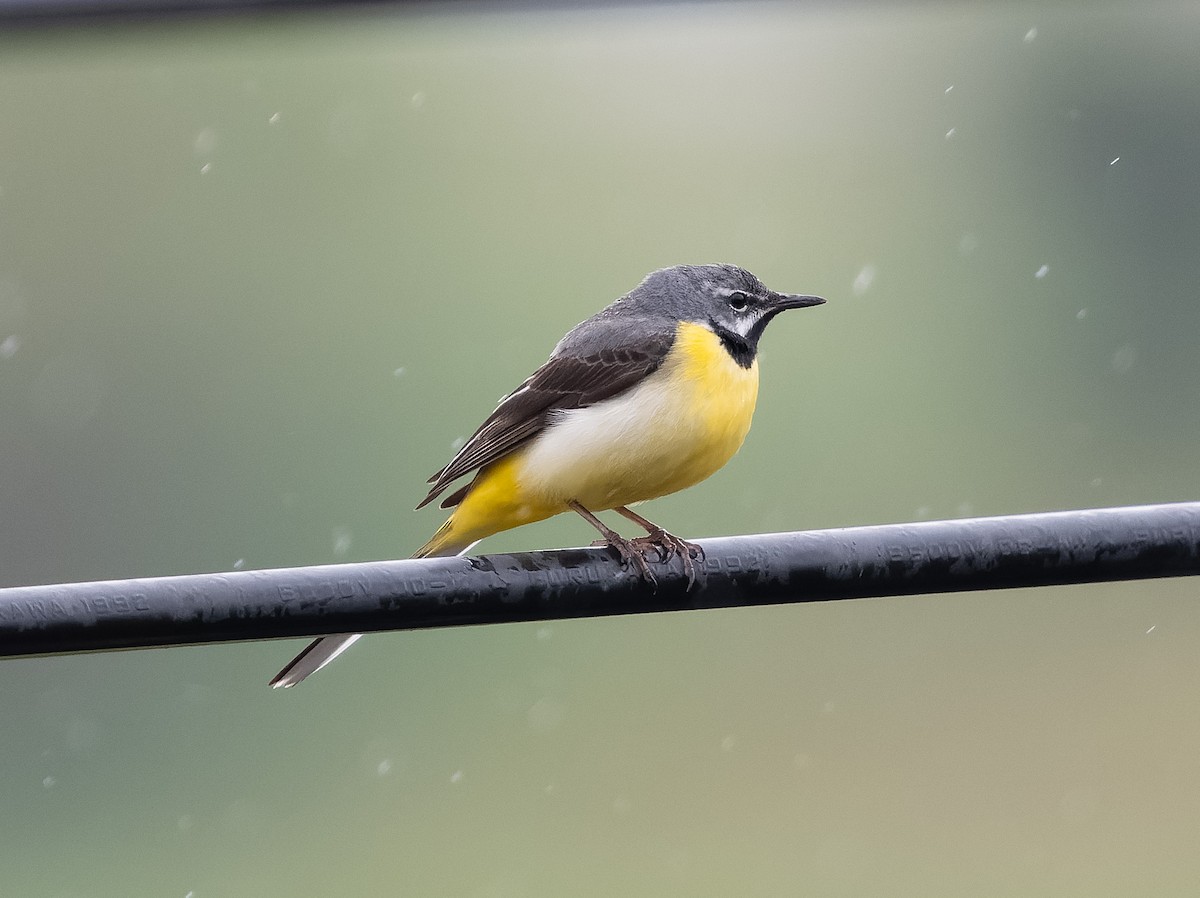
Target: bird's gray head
{"type": "Point", "coordinates": [729, 300]}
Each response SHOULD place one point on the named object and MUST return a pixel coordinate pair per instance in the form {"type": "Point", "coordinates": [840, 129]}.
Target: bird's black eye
{"type": "Point", "coordinates": [738, 301]}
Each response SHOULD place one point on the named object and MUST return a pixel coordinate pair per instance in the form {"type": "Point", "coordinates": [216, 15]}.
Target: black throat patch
{"type": "Point", "coordinates": [742, 349]}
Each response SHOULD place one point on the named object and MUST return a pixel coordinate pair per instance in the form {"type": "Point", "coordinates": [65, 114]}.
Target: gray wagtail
{"type": "Point", "coordinates": [646, 397]}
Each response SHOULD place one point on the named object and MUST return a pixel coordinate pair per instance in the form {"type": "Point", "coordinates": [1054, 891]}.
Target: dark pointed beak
{"type": "Point", "coordinates": [782, 301]}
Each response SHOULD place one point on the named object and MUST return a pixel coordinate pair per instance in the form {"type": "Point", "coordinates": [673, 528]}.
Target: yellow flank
{"type": "Point", "coordinates": [674, 429]}
{"type": "Point", "coordinates": [494, 503]}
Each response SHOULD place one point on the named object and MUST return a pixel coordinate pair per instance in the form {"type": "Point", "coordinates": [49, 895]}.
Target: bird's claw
{"type": "Point", "coordinates": [631, 554]}
{"type": "Point", "coordinates": [667, 544]}
{"type": "Point", "coordinates": [663, 544]}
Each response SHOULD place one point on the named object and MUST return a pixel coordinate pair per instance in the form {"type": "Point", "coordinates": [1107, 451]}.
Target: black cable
{"type": "Point", "coordinates": [885, 560]}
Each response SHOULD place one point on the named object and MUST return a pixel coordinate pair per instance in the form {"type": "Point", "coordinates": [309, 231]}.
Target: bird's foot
{"type": "Point", "coordinates": [667, 544]}
{"type": "Point", "coordinates": [632, 555]}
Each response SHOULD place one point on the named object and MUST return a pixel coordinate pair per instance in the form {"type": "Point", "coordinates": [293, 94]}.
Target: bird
{"type": "Point", "coordinates": [651, 395]}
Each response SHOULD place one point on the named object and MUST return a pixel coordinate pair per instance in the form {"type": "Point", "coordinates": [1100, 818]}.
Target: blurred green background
{"type": "Point", "coordinates": [258, 275]}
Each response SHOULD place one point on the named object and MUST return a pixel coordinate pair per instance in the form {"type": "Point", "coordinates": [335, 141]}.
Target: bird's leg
{"type": "Point", "coordinates": [666, 543]}
{"type": "Point", "coordinates": [629, 552]}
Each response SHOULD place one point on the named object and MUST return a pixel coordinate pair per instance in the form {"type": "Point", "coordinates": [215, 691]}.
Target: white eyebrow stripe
{"type": "Point", "coordinates": [729, 291]}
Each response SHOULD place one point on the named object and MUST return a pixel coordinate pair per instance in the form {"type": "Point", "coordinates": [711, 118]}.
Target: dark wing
{"type": "Point", "coordinates": [572, 379]}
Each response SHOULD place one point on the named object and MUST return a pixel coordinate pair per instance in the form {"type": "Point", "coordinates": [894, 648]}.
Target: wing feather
{"type": "Point", "coordinates": [592, 368]}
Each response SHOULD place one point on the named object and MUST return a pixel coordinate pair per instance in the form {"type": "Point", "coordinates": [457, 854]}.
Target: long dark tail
{"type": "Point", "coordinates": [321, 651]}
{"type": "Point", "coordinates": [316, 655]}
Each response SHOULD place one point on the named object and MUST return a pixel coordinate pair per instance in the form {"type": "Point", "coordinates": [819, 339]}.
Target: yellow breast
{"type": "Point", "coordinates": [723, 393]}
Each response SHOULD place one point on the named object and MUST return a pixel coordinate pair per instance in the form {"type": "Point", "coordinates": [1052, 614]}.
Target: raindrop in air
{"type": "Point", "coordinates": [1123, 358]}
{"type": "Point", "coordinates": [342, 537]}
{"type": "Point", "coordinates": [205, 142]}
{"type": "Point", "coordinates": [863, 280]}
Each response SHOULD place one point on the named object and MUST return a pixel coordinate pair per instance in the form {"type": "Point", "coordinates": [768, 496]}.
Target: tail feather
{"type": "Point", "coordinates": [316, 655]}
{"type": "Point", "coordinates": [324, 649]}
{"type": "Point", "coordinates": [445, 542]}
